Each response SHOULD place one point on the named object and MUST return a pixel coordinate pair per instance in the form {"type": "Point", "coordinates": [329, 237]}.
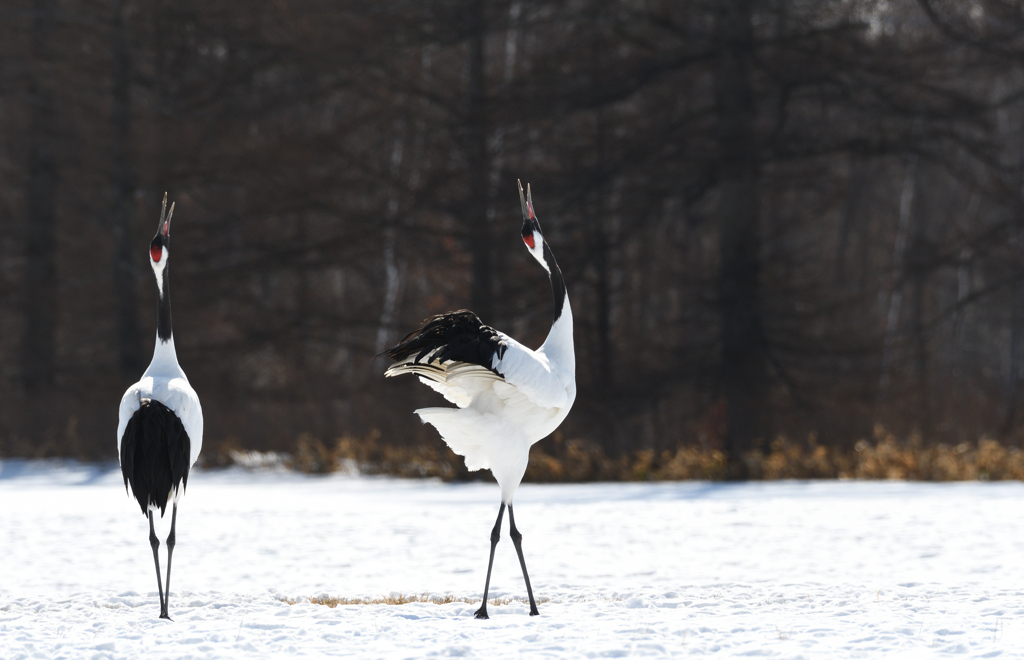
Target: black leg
{"type": "Point", "coordinates": [517, 541]}
{"type": "Point", "coordinates": [154, 543]}
{"type": "Point", "coordinates": [170, 550]}
{"type": "Point", "coordinates": [495, 534]}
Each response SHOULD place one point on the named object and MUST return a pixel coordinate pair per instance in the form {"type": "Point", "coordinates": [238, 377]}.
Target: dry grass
{"type": "Point", "coordinates": [403, 599]}
{"type": "Point", "coordinates": [883, 456]}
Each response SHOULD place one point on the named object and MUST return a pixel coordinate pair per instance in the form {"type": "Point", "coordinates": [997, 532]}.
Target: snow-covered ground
{"type": "Point", "coordinates": [792, 569]}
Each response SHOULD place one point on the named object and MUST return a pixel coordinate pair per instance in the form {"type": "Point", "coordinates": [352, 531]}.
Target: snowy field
{"type": "Point", "coordinates": [788, 570]}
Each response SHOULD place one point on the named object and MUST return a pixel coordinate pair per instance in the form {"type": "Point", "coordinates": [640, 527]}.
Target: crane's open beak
{"type": "Point", "coordinates": [164, 227]}
{"type": "Point", "coordinates": [527, 202]}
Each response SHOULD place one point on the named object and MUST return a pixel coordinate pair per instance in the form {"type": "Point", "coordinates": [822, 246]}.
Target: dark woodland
{"type": "Point", "coordinates": [776, 219]}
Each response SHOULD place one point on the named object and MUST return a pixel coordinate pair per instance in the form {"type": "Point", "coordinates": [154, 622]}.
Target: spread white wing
{"type": "Point", "coordinates": [528, 379]}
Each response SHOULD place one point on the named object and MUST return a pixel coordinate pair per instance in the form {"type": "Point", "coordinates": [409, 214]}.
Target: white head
{"type": "Point", "coordinates": [532, 235]}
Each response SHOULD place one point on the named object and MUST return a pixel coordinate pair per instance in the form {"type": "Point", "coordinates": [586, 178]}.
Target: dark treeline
{"type": "Point", "coordinates": [775, 218]}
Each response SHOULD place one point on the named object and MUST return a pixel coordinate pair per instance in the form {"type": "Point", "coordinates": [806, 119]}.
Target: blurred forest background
{"type": "Point", "coordinates": [780, 221]}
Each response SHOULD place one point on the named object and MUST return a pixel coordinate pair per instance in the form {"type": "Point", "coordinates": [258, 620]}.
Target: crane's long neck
{"type": "Point", "coordinates": [559, 346]}
{"type": "Point", "coordinates": [165, 359]}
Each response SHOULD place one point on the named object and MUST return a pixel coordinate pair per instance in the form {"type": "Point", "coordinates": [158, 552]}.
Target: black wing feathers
{"type": "Point", "coordinates": [154, 454]}
{"type": "Point", "coordinates": [460, 336]}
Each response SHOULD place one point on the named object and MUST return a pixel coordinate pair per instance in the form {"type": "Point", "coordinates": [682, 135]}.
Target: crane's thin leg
{"type": "Point", "coordinates": [517, 540]}
{"type": "Point", "coordinates": [170, 550]}
{"type": "Point", "coordinates": [495, 535]}
{"type": "Point", "coordinates": [154, 543]}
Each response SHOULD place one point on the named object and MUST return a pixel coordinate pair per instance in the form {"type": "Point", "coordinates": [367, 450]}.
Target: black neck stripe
{"type": "Point", "coordinates": [557, 283]}
{"type": "Point", "coordinates": [163, 327]}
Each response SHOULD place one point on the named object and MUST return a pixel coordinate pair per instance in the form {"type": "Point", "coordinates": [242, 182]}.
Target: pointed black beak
{"type": "Point", "coordinates": [527, 204]}
{"type": "Point", "coordinates": [163, 228]}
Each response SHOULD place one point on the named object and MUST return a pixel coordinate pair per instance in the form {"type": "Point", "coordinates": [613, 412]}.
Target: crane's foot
{"type": "Point", "coordinates": [534, 611]}
{"type": "Point", "coordinates": [482, 612]}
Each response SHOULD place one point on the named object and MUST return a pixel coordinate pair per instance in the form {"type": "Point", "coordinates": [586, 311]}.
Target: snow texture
{"type": "Point", "coordinates": [786, 570]}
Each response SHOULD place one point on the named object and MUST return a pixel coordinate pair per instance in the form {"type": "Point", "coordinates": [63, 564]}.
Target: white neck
{"type": "Point", "coordinates": [165, 360]}
{"type": "Point", "coordinates": [158, 269]}
{"type": "Point", "coordinates": [559, 346]}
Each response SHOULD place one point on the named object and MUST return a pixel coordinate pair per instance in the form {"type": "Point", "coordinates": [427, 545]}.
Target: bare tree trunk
{"type": "Point", "coordinates": [392, 276]}
{"type": "Point", "coordinates": [601, 245]}
{"type": "Point", "coordinates": [920, 338]}
{"type": "Point", "coordinates": [896, 295]}
{"type": "Point", "coordinates": [963, 290]}
{"type": "Point", "coordinates": [129, 336]}
{"type": "Point", "coordinates": [919, 335]}
{"type": "Point", "coordinates": [1016, 351]}
{"type": "Point", "coordinates": [160, 27]}
{"type": "Point", "coordinates": [1016, 326]}
{"type": "Point", "coordinates": [850, 209]}
{"type": "Point", "coordinates": [40, 338]}
{"type": "Point", "coordinates": [603, 308]}
{"type": "Point", "coordinates": [482, 292]}
{"type": "Point", "coordinates": [495, 185]}
{"type": "Point", "coordinates": [744, 372]}
{"type": "Point", "coordinates": [1012, 391]}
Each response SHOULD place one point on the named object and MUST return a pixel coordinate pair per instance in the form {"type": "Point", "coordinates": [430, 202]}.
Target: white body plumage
{"type": "Point", "coordinates": [164, 381]}
{"type": "Point", "coordinates": [499, 419]}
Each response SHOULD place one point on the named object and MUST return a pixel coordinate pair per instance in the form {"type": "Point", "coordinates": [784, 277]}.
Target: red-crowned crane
{"type": "Point", "coordinates": [508, 396]}
{"type": "Point", "coordinates": [160, 427]}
